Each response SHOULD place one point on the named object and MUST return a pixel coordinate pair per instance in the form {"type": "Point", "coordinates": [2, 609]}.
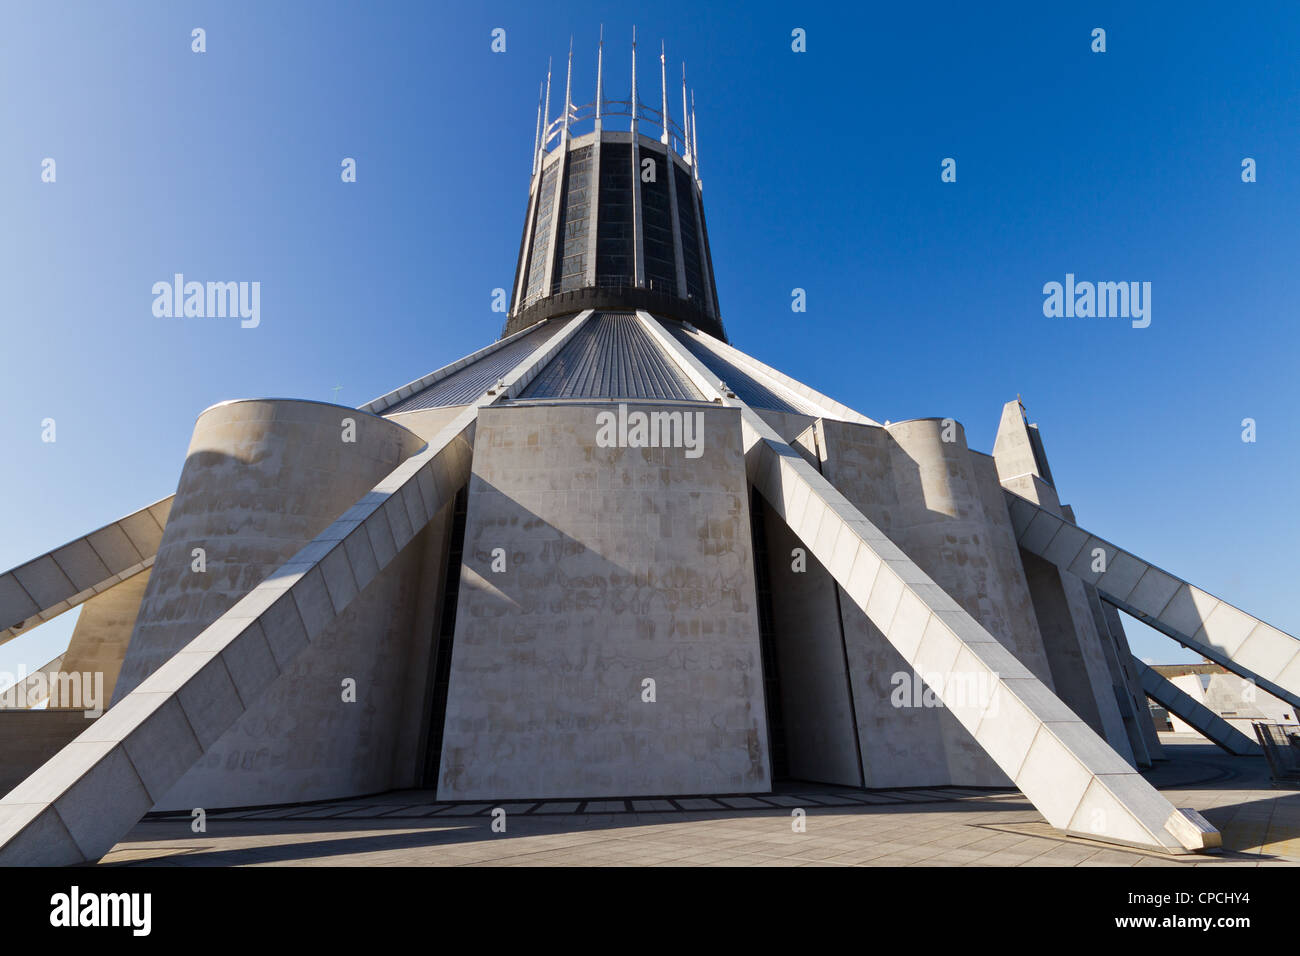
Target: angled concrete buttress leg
{"type": "Point", "coordinates": [1132, 709]}
{"type": "Point", "coordinates": [1213, 727]}
{"type": "Point", "coordinates": [1071, 776]}
{"type": "Point", "coordinates": [1116, 627]}
{"type": "Point", "coordinates": [1069, 773]}
{"type": "Point", "coordinates": [75, 807]}
{"type": "Point", "coordinates": [45, 587]}
{"type": "Point", "coordinates": [1079, 647]}
{"type": "Point", "coordinates": [89, 795]}
{"type": "Point", "coordinates": [1213, 628]}
{"type": "Point", "coordinates": [33, 690]}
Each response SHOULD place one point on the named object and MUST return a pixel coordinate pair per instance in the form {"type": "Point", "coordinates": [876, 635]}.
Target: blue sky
{"type": "Point", "coordinates": [821, 171]}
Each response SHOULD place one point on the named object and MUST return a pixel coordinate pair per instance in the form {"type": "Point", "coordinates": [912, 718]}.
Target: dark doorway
{"type": "Point", "coordinates": [444, 631]}
{"type": "Point", "coordinates": [776, 742]}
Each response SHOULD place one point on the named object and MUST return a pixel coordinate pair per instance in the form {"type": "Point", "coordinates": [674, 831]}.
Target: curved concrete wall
{"type": "Point", "coordinates": [261, 479]}
{"type": "Point", "coordinates": [901, 740]}
{"type": "Point", "coordinates": [941, 523]}
{"type": "Point", "coordinates": [427, 422]}
{"type": "Point", "coordinates": [1065, 769]}
{"type": "Point", "coordinates": [949, 513]}
{"type": "Point", "coordinates": [931, 497]}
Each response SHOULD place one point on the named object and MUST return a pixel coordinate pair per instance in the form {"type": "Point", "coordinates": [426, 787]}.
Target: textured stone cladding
{"type": "Point", "coordinates": [301, 740]}
{"type": "Point", "coordinates": [928, 495]}
{"type": "Point", "coordinates": [261, 479]}
{"type": "Point", "coordinates": [621, 565]}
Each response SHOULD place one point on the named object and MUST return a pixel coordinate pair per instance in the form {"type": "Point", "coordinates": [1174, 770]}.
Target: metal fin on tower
{"type": "Point", "coordinates": [589, 227]}
{"type": "Point", "coordinates": [666, 139]}
{"type": "Point", "coordinates": [695, 142]}
{"type": "Point", "coordinates": [600, 75]}
{"type": "Point", "coordinates": [568, 96]}
{"type": "Point", "coordinates": [633, 99]}
{"type": "Point", "coordinates": [546, 111]}
{"type": "Point", "coordinates": [686, 124]}
{"type": "Point", "coordinates": [537, 137]}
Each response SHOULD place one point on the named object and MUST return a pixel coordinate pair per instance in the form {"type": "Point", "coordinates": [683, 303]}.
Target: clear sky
{"type": "Point", "coordinates": [821, 171]}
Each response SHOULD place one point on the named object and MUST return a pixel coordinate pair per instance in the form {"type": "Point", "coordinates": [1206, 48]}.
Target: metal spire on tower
{"type": "Point", "coordinates": [600, 74]}
{"type": "Point", "coordinates": [546, 112]}
{"type": "Point", "coordinates": [568, 96]}
{"type": "Point", "coordinates": [632, 98]}
{"type": "Point", "coordinates": [663, 90]}
{"type": "Point", "coordinates": [686, 125]}
{"type": "Point", "coordinates": [651, 247]}
{"type": "Point", "coordinates": [537, 137]}
{"type": "Point", "coordinates": [695, 140]}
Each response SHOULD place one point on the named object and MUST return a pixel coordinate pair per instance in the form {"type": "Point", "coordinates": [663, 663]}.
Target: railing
{"type": "Point", "coordinates": [615, 294]}
{"type": "Point", "coordinates": [1281, 745]}
{"type": "Point", "coordinates": [609, 284]}
{"type": "Point", "coordinates": [650, 122]}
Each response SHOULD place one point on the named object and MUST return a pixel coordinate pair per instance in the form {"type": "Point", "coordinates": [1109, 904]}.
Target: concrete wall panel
{"type": "Point", "coordinates": [1076, 649]}
{"type": "Point", "coordinates": [902, 739]}
{"type": "Point", "coordinates": [1069, 773]}
{"type": "Point", "coordinates": [621, 564]}
{"type": "Point", "coordinates": [929, 495]}
{"type": "Point", "coordinates": [301, 740]}
{"type": "Point", "coordinates": [260, 480]}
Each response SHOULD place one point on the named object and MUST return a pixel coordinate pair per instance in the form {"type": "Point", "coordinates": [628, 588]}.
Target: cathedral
{"type": "Point", "coordinates": [607, 555]}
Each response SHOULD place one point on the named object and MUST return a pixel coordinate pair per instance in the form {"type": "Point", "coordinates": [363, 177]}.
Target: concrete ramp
{"type": "Point", "coordinates": [1209, 724]}
{"type": "Point", "coordinates": [1077, 782]}
{"type": "Point", "coordinates": [58, 581]}
{"type": "Point", "coordinates": [1194, 618]}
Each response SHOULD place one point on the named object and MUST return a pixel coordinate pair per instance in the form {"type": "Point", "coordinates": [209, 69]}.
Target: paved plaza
{"type": "Point", "coordinates": [947, 826]}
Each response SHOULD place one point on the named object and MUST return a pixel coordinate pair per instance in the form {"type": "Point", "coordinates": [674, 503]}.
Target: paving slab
{"type": "Point", "coordinates": [1261, 827]}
